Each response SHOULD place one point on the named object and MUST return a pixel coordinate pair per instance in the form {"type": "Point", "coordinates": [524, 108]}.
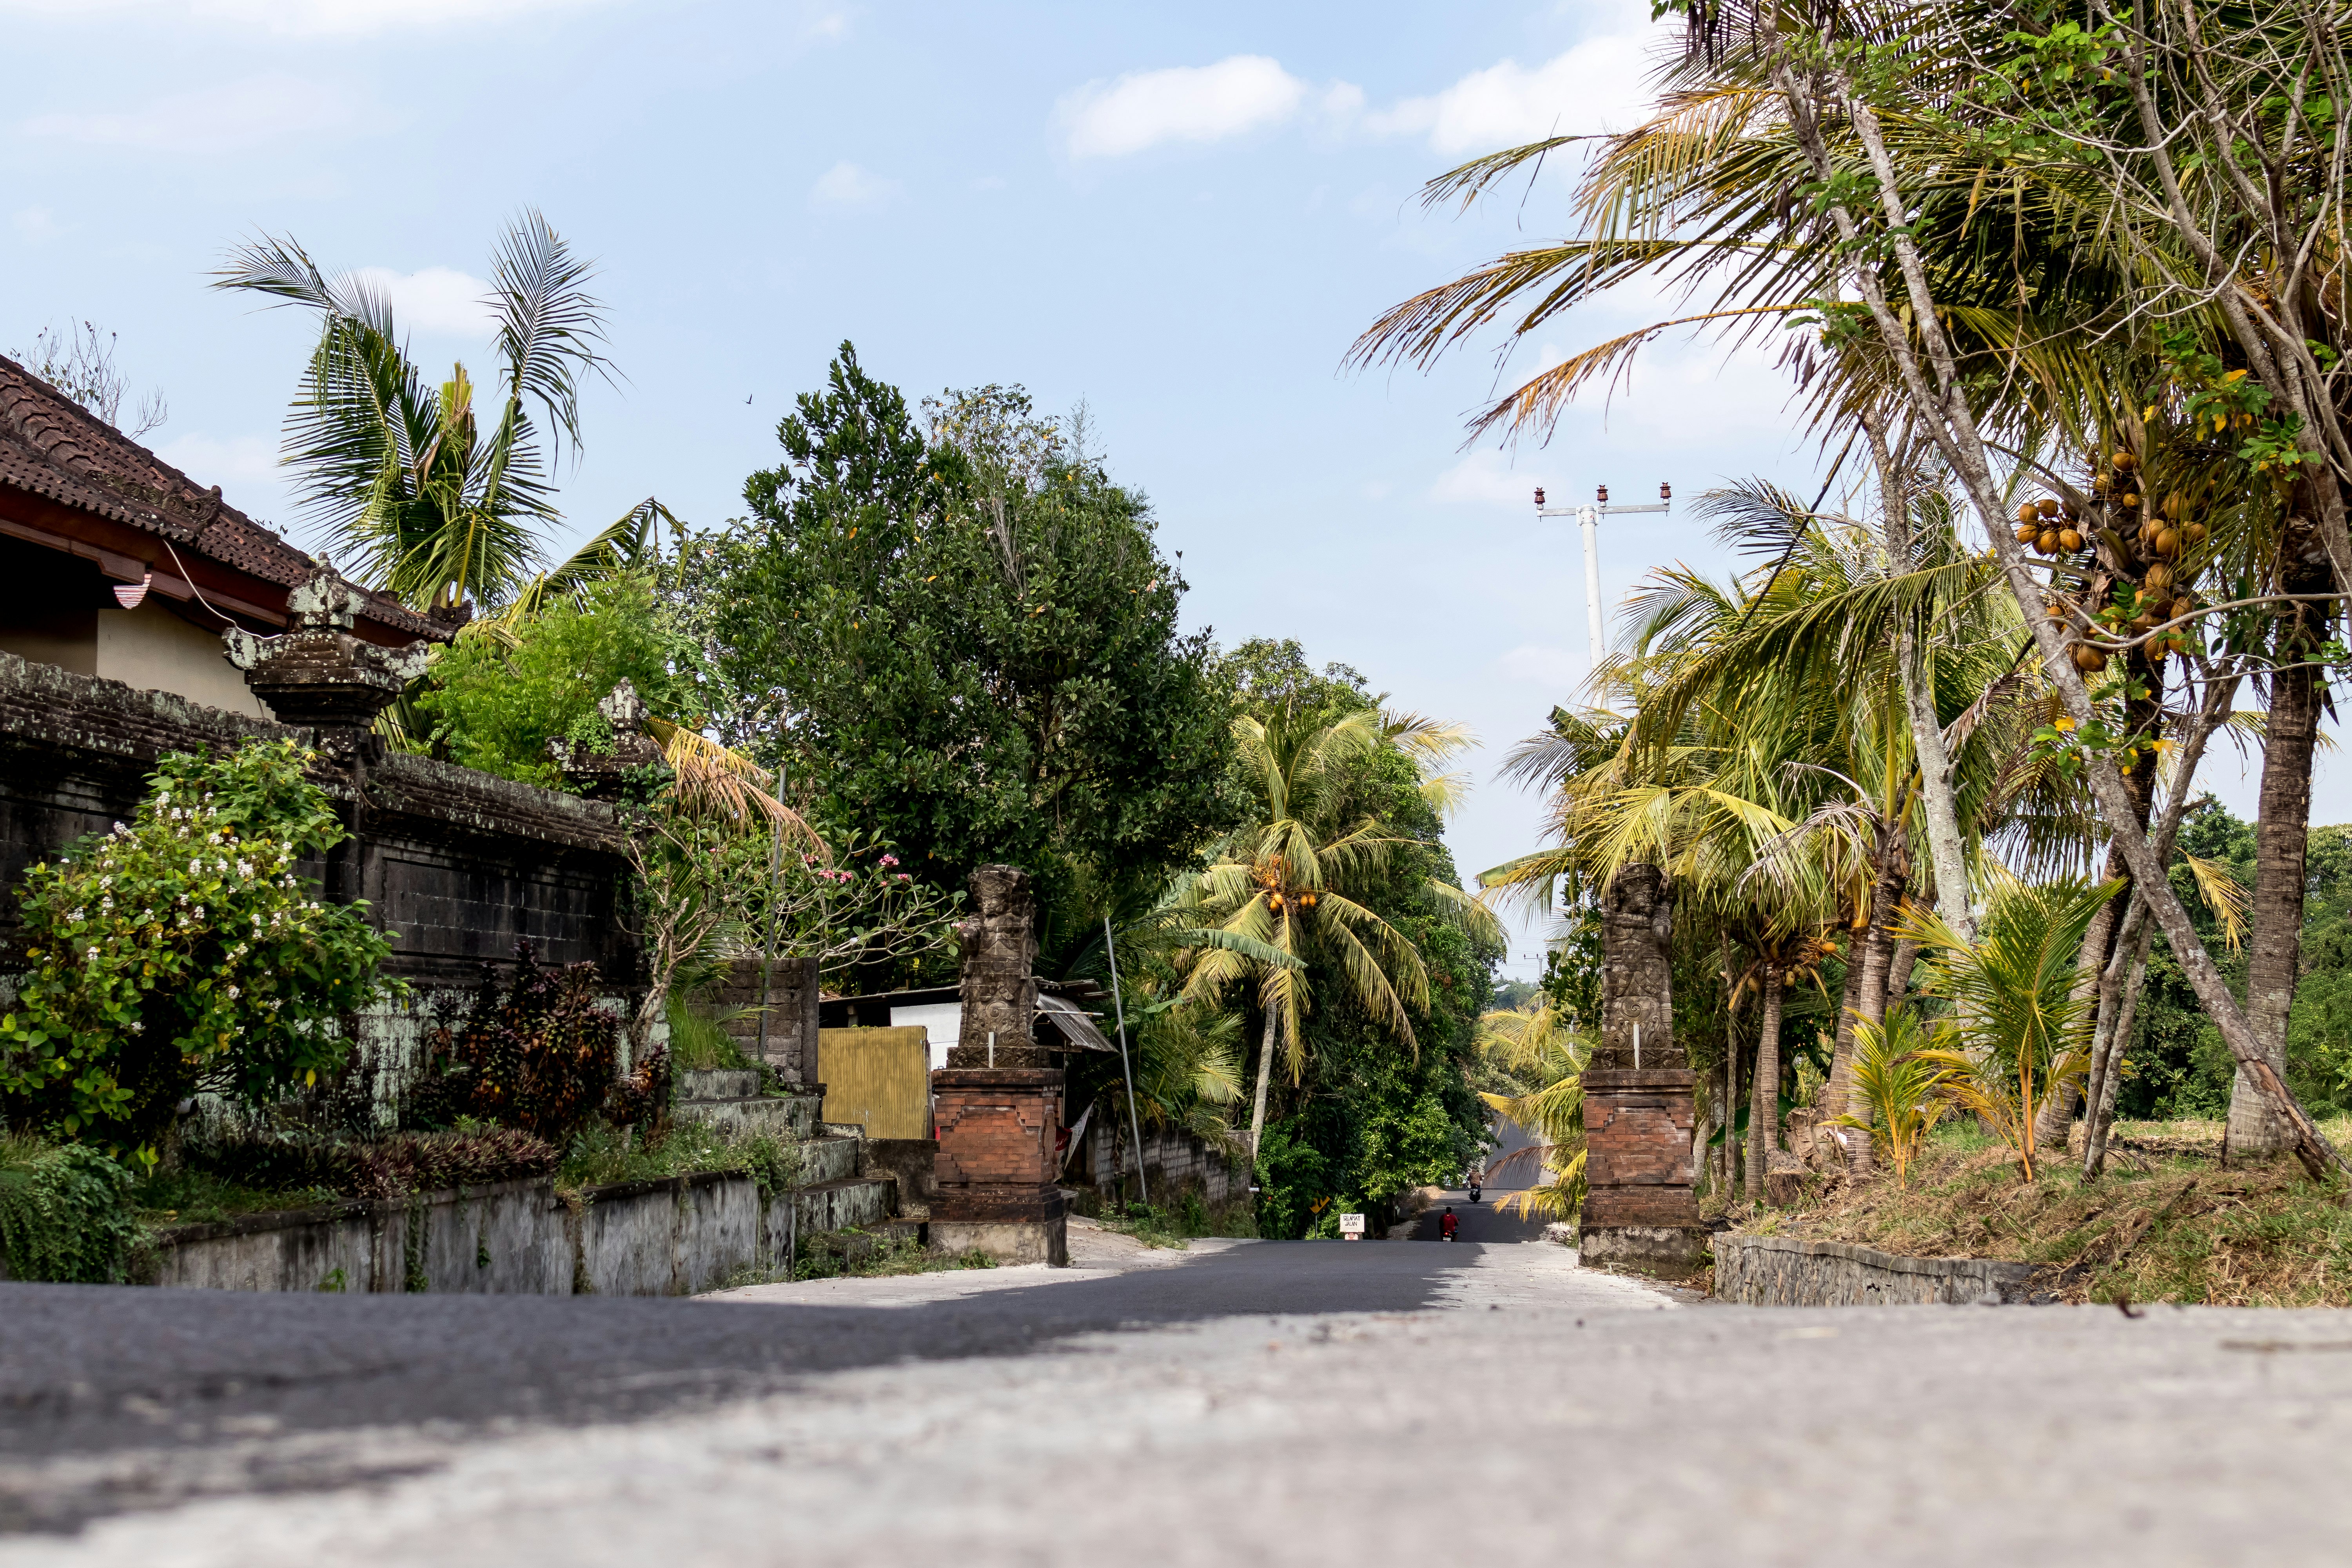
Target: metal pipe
{"type": "Point", "coordinates": [1142, 1184]}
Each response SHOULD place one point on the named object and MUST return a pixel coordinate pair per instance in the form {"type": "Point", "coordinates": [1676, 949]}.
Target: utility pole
{"type": "Point", "coordinates": [1589, 519]}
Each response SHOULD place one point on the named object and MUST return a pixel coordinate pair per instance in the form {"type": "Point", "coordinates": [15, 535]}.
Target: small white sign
{"type": "Point", "coordinates": [1351, 1227]}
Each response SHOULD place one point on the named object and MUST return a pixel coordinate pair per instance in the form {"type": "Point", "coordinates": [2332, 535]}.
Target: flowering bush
{"type": "Point", "coordinates": [185, 952]}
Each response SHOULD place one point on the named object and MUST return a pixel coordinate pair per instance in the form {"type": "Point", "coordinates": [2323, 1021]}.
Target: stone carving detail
{"type": "Point", "coordinates": [317, 673]}
{"type": "Point", "coordinates": [600, 775]}
{"type": "Point", "coordinates": [1637, 972]}
{"type": "Point", "coordinates": [1000, 980]}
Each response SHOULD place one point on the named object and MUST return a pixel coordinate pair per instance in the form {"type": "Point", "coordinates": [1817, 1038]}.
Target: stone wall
{"type": "Point", "coordinates": [675, 1237]}
{"type": "Point", "coordinates": [792, 992]}
{"type": "Point", "coordinates": [455, 865]}
{"type": "Point", "coordinates": [458, 865]}
{"type": "Point", "coordinates": [1786, 1271]}
{"type": "Point", "coordinates": [1175, 1162]}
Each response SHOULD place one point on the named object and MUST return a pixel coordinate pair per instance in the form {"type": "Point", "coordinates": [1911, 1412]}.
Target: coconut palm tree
{"type": "Point", "coordinates": [1293, 877]}
{"type": "Point", "coordinates": [423, 493]}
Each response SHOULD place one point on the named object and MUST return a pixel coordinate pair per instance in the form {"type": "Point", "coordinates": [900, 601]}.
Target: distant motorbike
{"type": "Point", "coordinates": [1474, 1189]}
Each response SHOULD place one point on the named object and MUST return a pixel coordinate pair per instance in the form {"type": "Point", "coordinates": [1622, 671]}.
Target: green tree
{"type": "Point", "coordinates": [965, 639]}
{"type": "Point", "coordinates": [498, 694]}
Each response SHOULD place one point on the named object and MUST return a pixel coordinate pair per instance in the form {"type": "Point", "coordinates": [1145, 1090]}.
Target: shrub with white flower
{"type": "Point", "coordinates": [180, 953]}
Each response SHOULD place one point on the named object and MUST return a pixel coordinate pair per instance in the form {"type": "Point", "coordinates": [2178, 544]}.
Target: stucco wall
{"type": "Point", "coordinates": [153, 648]}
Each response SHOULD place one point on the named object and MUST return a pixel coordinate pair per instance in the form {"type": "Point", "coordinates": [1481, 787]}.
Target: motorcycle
{"type": "Point", "coordinates": [1474, 1189]}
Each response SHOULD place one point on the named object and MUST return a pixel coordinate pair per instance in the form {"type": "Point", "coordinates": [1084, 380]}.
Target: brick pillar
{"type": "Point", "coordinates": [999, 1124]}
{"type": "Point", "coordinates": [996, 1163]}
{"type": "Point", "coordinates": [1641, 1206]}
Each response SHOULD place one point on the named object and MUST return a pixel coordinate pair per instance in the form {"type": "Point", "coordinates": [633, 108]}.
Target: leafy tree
{"type": "Point", "coordinates": [965, 640]}
{"type": "Point", "coordinates": [503, 690]}
{"type": "Point", "coordinates": [1366, 1112]}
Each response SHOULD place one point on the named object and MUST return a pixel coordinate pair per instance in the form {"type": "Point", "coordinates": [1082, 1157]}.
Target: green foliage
{"type": "Point", "coordinates": [538, 1052]}
{"type": "Point", "coordinates": [2016, 1017]}
{"type": "Point", "coordinates": [184, 953]}
{"type": "Point", "coordinates": [501, 692]}
{"type": "Point", "coordinates": [2176, 1064]}
{"type": "Point", "coordinates": [600, 1155]}
{"type": "Point", "coordinates": [839, 1254]}
{"type": "Point", "coordinates": [65, 1213]}
{"type": "Point", "coordinates": [698, 1044]}
{"type": "Point", "coordinates": [380, 1167]}
{"type": "Point", "coordinates": [966, 643]}
{"type": "Point", "coordinates": [1901, 1092]}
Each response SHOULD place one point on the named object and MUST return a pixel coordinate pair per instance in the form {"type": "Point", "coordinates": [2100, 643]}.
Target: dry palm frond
{"type": "Point", "coordinates": [2224, 895]}
{"type": "Point", "coordinates": [711, 779]}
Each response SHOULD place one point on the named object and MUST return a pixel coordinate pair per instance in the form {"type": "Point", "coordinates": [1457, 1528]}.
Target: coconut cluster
{"type": "Point", "coordinates": [2151, 544]}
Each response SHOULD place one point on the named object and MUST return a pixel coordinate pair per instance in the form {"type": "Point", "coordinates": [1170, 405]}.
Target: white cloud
{"type": "Point", "coordinates": [1192, 103]}
{"type": "Point", "coordinates": [36, 224]}
{"type": "Point", "coordinates": [1600, 84]}
{"type": "Point", "coordinates": [847, 185]}
{"type": "Point", "coordinates": [240, 461]}
{"type": "Point", "coordinates": [212, 120]}
{"type": "Point", "coordinates": [1552, 667]}
{"type": "Point", "coordinates": [1484, 479]}
{"type": "Point", "coordinates": [345, 18]}
{"type": "Point", "coordinates": [435, 299]}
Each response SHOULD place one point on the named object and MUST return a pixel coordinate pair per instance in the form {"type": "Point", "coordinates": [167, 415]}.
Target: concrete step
{"type": "Point", "coordinates": [788, 1116]}
{"type": "Point", "coordinates": [864, 1202]}
{"type": "Point", "coordinates": [718, 1083]}
{"type": "Point", "coordinates": [829, 1158]}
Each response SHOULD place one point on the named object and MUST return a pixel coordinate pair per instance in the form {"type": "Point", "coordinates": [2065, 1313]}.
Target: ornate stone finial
{"type": "Point", "coordinates": [317, 673]}
{"type": "Point", "coordinates": [597, 771]}
{"type": "Point", "coordinates": [624, 710]}
{"type": "Point", "coordinates": [1000, 972]}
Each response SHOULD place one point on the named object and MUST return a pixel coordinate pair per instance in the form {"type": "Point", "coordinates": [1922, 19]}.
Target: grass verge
{"type": "Point", "coordinates": [2165, 1223]}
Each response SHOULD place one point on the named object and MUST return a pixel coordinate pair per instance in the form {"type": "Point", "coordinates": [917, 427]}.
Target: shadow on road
{"type": "Point", "coordinates": [93, 1368]}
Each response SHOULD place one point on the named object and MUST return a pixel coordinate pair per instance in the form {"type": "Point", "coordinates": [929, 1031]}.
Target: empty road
{"type": "Point", "coordinates": [1317, 1402]}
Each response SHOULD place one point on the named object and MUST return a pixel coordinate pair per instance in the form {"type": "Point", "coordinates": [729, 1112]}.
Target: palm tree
{"type": "Point", "coordinates": [1539, 1044]}
{"type": "Point", "coordinates": [409, 485]}
{"type": "Point", "coordinates": [1291, 878]}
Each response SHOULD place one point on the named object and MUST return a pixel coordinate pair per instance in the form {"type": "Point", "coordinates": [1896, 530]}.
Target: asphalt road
{"type": "Point", "coordinates": [1346, 1404]}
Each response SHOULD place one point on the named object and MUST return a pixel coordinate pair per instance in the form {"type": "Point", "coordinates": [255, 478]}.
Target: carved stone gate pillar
{"type": "Point", "coordinates": [997, 1104]}
{"type": "Point", "coordinates": [1641, 1206]}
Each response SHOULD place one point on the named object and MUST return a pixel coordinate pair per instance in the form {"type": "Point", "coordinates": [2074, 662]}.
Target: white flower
{"type": "Point", "coordinates": [231, 993]}
{"type": "Point", "coordinates": [137, 1027]}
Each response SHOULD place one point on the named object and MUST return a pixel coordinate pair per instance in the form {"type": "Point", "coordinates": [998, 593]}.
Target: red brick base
{"type": "Point", "coordinates": [997, 1132]}
{"type": "Point", "coordinates": [1637, 1167]}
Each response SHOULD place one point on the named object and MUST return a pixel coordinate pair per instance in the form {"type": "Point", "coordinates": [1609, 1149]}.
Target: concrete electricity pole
{"type": "Point", "coordinates": [1589, 518]}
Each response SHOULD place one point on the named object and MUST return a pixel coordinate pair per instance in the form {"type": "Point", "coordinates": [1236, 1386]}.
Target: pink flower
{"type": "Point", "coordinates": [889, 859]}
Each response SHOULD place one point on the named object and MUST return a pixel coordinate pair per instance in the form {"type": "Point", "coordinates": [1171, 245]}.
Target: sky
{"type": "Point", "coordinates": [1179, 216]}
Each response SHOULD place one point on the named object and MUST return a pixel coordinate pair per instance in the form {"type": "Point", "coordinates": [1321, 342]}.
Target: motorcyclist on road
{"type": "Point", "coordinates": [1447, 1223]}
{"type": "Point", "coordinates": [1474, 1186]}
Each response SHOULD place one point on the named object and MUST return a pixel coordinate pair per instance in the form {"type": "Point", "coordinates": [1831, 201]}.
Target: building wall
{"type": "Point", "coordinates": [153, 648]}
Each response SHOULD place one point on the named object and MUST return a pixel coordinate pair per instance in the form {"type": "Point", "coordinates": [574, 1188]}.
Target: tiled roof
{"type": "Point", "coordinates": [52, 446]}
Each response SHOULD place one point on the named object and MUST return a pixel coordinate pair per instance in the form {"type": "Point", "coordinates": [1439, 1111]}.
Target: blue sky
{"type": "Point", "coordinates": [1180, 216]}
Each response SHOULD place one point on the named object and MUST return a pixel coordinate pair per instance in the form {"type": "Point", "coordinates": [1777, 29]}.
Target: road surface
{"type": "Point", "coordinates": [1362, 1403]}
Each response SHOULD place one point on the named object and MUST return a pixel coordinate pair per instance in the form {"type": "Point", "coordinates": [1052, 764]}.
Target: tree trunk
{"type": "Point", "coordinates": [1946, 849]}
{"type": "Point", "coordinates": [1764, 1115]}
{"type": "Point", "coordinates": [1832, 1099]}
{"type": "Point", "coordinates": [1866, 1002]}
{"type": "Point", "coordinates": [2057, 1116]}
{"type": "Point", "coordinates": [2133, 967]}
{"type": "Point", "coordinates": [1265, 1076]}
{"type": "Point", "coordinates": [2282, 846]}
{"type": "Point", "coordinates": [1898, 977]}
